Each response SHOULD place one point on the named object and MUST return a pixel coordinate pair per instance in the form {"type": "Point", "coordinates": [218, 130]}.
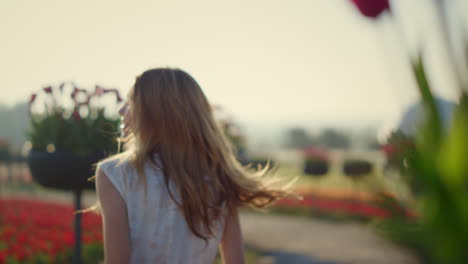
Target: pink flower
{"type": "Point", "coordinates": [316, 153]}
{"type": "Point", "coordinates": [48, 89]}
{"type": "Point", "coordinates": [372, 8]}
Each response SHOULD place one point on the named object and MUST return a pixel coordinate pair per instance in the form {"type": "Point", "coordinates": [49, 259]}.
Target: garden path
{"type": "Point", "coordinates": [309, 240]}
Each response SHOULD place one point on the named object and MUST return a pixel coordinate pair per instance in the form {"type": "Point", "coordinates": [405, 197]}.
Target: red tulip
{"type": "Point", "coordinates": [3, 257]}
{"type": "Point", "coordinates": [32, 99]}
{"type": "Point", "coordinates": [76, 115]}
{"type": "Point", "coordinates": [48, 89]}
{"type": "Point", "coordinates": [372, 8]}
{"type": "Point", "coordinates": [30, 230]}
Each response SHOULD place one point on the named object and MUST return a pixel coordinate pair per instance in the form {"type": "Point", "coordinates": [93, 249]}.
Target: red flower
{"type": "Point", "coordinates": [76, 115]}
{"type": "Point", "coordinates": [36, 227]}
{"type": "Point", "coordinates": [32, 99]}
{"type": "Point", "coordinates": [389, 149]}
{"type": "Point", "coordinates": [372, 8]}
{"type": "Point", "coordinates": [316, 153]}
{"type": "Point", "coordinates": [3, 257]}
{"type": "Point", "coordinates": [48, 89]}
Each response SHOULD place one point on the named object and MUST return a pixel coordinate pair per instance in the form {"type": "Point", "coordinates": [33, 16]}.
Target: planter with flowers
{"type": "Point", "coordinates": [317, 161]}
{"type": "Point", "coordinates": [69, 132]}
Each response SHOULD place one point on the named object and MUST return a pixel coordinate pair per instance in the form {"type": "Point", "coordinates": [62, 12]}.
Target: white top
{"type": "Point", "coordinates": [158, 230]}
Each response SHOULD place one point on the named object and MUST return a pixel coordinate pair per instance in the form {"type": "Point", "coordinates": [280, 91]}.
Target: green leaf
{"type": "Point", "coordinates": [452, 159]}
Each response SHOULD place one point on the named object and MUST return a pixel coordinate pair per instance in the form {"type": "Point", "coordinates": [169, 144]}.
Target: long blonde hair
{"type": "Point", "coordinates": [172, 117]}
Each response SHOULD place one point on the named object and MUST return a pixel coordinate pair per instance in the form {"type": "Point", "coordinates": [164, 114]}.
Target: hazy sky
{"type": "Point", "coordinates": [310, 60]}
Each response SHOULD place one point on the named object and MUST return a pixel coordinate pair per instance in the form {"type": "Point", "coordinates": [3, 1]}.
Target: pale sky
{"type": "Point", "coordinates": [261, 59]}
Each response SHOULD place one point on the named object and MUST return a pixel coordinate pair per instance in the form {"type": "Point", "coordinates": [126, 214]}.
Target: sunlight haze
{"type": "Point", "coordinates": [262, 60]}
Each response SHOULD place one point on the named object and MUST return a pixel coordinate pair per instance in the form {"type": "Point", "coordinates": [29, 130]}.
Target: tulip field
{"type": "Point", "coordinates": [34, 232]}
{"type": "Point", "coordinates": [345, 206]}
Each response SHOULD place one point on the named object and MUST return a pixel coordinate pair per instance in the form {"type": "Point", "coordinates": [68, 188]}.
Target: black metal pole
{"type": "Point", "coordinates": [9, 164]}
{"type": "Point", "coordinates": [77, 255]}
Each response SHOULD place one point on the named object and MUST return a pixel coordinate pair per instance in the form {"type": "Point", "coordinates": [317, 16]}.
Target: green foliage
{"type": "Point", "coordinates": [251, 255]}
{"type": "Point", "coordinates": [93, 253]}
{"type": "Point", "coordinates": [332, 138]}
{"type": "Point", "coordinates": [397, 149]}
{"type": "Point", "coordinates": [5, 154]}
{"type": "Point", "coordinates": [83, 136]}
{"type": "Point", "coordinates": [298, 138]}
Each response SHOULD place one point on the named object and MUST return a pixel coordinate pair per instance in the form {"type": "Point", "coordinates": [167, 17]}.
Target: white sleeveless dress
{"type": "Point", "coordinates": [158, 230]}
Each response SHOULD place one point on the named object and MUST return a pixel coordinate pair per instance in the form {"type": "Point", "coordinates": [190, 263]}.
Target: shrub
{"type": "Point", "coordinates": [5, 154]}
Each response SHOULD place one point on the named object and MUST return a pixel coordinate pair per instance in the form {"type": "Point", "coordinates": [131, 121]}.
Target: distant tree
{"type": "Point", "coordinates": [373, 144]}
{"type": "Point", "coordinates": [298, 138]}
{"type": "Point", "coordinates": [368, 139]}
{"type": "Point", "coordinates": [332, 138]}
{"type": "Point", "coordinates": [4, 150]}
{"type": "Point", "coordinates": [14, 122]}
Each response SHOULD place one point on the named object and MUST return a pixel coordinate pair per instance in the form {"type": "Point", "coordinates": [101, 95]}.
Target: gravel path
{"type": "Point", "coordinates": [297, 240]}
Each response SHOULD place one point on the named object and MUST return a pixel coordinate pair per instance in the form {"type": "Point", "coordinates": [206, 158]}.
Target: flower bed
{"type": "Point", "coordinates": [361, 206]}
{"type": "Point", "coordinates": [34, 231]}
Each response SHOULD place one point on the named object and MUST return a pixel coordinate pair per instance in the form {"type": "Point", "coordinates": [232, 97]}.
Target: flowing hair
{"type": "Point", "coordinates": [171, 116]}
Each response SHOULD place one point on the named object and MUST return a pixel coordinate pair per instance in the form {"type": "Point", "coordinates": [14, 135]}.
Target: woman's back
{"type": "Point", "coordinates": [158, 230]}
{"type": "Point", "coordinates": [167, 113]}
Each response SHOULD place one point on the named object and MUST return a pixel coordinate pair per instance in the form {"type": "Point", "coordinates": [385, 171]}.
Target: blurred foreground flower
{"type": "Point", "coordinates": [436, 165]}
{"type": "Point", "coordinates": [372, 8]}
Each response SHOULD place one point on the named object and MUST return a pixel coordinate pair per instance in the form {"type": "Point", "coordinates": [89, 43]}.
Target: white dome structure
{"type": "Point", "coordinates": [414, 114]}
{"type": "Point", "coordinates": [411, 118]}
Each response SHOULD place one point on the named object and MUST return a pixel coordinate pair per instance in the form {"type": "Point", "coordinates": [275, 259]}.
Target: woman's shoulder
{"type": "Point", "coordinates": [115, 162]}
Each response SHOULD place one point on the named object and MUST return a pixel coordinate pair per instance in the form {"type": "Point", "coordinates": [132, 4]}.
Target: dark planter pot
{"type": "Point", "coordinates": [316, 167]}
{"type": "Point", "coordinates": [357, 168]}
{"type": "Point", "coordinates": [63, 170]}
